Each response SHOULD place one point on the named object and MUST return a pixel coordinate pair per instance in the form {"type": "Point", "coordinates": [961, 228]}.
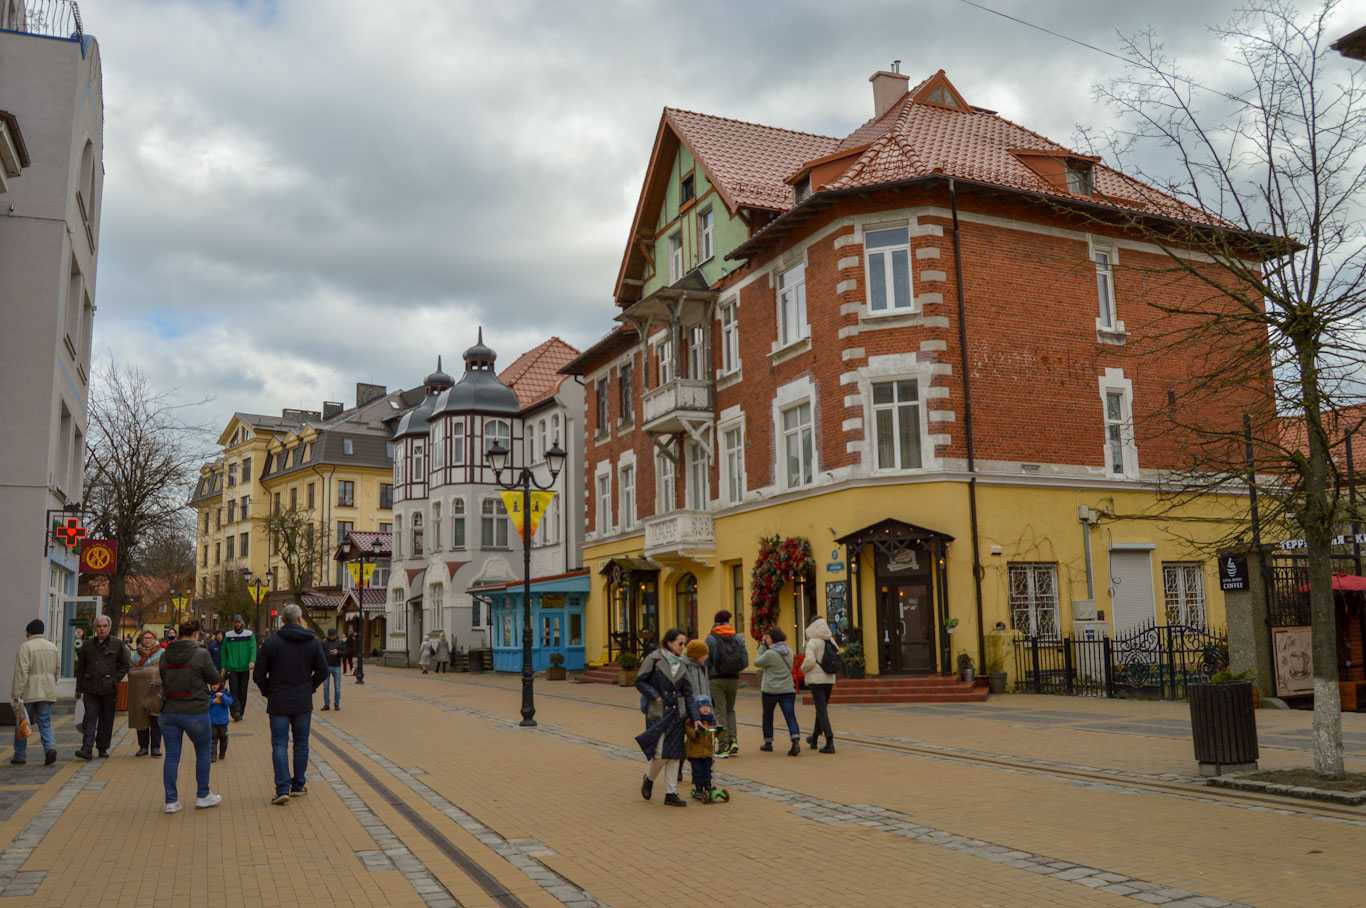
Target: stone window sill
{"type": "Point", "coordinates": [782, 354]}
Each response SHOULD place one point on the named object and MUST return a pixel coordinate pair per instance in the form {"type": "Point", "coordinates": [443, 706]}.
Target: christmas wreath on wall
{"type": "Point", "coordinates": [780, 560]}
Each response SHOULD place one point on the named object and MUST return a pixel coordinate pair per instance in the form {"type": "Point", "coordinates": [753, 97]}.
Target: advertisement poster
{"type": "Point", "coordinates": [1294, 660]}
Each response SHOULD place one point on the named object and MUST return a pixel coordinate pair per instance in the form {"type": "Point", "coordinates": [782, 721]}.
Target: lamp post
{"type": "Point", "coordinates": [364, 644]}
{"type": "Point", "coordinates": [257, 589]}
{"type": "Point", "coordinates": [179, 600]}
{"type": "Point", "coordinates": [498, 458]}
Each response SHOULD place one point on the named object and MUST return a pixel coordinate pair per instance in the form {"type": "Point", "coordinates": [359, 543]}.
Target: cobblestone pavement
{"type": "Point", "coordinates": [425, 791]}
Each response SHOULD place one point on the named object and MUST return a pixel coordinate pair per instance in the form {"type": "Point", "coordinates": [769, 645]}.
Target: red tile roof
{"type": "Point", "coordinates": [747, 161]}
{"type": "Point", "coordinates": [535, 375]}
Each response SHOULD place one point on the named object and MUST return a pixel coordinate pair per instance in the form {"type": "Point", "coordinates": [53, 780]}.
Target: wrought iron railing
{"type": "Point", "coordinates": [47, 18]}
{"type": "Point", "coordinates": [1153, 661]}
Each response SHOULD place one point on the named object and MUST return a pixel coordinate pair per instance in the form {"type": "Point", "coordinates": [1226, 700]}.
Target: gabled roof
{"type": "Point", "coordinates": [613, 344]}
{"type": "Point", "coordinates": [535, 375]}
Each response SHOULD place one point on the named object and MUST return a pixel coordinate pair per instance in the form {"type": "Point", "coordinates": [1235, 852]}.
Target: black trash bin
{"type": "Point", "coordinates": [1224, 726]}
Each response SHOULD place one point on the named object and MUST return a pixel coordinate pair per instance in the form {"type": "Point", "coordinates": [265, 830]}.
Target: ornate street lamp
{"type": "Point", "coordinates": [258, 589]}
{"type": "Point", "coordinates": [362, 647]}
{"type": "Point", "coordinates": [499, 459]}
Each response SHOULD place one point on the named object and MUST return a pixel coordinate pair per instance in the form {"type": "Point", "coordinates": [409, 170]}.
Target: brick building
{"type": "Point", "coordinates": [791, 360]}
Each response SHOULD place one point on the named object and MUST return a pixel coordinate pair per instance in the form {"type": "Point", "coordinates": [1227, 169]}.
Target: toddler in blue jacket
{"type": "Point", "coordinates": [220, 709]}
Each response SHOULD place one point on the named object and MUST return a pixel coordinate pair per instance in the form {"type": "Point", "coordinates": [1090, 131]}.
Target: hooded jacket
{"type": "Point", "coordinates": [289, 668]}
{"type": "Point", "coordinates": [776, 662]}
{"type": "Point", "coordinates": [817, 638]}
{"type": "Point", "coordinates": [186, 674]}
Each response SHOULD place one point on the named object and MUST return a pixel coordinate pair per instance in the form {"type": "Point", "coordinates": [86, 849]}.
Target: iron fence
{"type": "Point", "coordinates": [48, 18]}
{"type": "Point", "coordinates": [1152, 661]}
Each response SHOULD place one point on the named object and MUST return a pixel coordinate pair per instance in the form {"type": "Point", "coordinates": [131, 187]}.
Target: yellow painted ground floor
{"type": "Point", "coordinates": [894, 570]}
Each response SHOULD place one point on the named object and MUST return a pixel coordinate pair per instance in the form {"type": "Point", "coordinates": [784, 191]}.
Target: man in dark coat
{"type": "Point", "coordinates": [289, 668]}
{"type": "Point", "coordinates": [101, 664]}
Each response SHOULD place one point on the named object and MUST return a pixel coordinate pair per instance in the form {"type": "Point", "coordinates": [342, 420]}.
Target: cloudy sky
{"type": "Point", "coordinates": [303, 194]}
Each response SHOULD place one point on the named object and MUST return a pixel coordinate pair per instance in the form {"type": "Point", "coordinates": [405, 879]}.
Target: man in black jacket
{"type": "Point", "coordinates": [101, 664]}
{"type": "Point", "coordinates": [289, 668]}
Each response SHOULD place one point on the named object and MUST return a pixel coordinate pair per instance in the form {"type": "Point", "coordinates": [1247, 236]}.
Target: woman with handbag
{"type": "Point", "coordinates": [144, 694]}
{"type": "Point", "coordinates": [672, 698]}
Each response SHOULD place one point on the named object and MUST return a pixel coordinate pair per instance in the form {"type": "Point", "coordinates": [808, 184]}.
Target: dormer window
{"type": "Point", "coordinates": [1080, 178]}
{"type": "Point", "coordinates": [802, 189]}
{"type": "Point", "coordinates": [687, 190]}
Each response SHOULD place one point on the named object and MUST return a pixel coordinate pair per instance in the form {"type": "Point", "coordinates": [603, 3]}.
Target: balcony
{"type": "Point", "coordinates": [675, 405]}
{"type": "Point", "coordinates": [684, 534]}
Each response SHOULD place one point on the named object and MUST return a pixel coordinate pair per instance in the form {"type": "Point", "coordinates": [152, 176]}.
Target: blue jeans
{"type": "Point", "coordinates": [281, 729]}
{"type": "Point", "coordinates": [788, 703]}
{"type": "Point", "coordinates": [196, 727]}
{"type": "Point", "coordinates": [333, 680]}
{"type": "Point", "coordinates": [40, 716]}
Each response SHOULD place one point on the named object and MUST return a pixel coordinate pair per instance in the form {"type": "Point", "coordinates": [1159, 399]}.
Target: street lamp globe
{"type": "Point", "coordinates": [497, 456]}
{"type": "Point", "coordinates": [555, 458]}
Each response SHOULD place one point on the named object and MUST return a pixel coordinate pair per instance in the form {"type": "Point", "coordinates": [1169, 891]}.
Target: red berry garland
{"type": "Point", "coordinates": [780, 560]}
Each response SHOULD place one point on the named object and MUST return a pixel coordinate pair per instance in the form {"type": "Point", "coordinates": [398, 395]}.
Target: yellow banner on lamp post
{"type": "Point", "coordinates": [353, 568]}
{"type": "Point", "coordinates": [512, 502]}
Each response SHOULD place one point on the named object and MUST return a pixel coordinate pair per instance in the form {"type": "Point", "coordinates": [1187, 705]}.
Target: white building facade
{"type": "Point", "coordinates": [52, 102]}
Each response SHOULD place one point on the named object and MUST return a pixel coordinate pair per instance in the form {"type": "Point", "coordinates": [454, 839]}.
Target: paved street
{"type": "Point", "coordinates": [424, 791]}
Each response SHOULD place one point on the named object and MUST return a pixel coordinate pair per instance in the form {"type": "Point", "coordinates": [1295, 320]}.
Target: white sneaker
{"type": "Point", "coordinates": [174, 807]}
{"type": "Point", "coordinates": [209, 800]}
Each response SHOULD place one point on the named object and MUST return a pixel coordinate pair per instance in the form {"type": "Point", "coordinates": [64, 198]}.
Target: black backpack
{"type": "Point", "coordinates": [730, 657]}
{"type": "Point", "coordinates": [830, 661]}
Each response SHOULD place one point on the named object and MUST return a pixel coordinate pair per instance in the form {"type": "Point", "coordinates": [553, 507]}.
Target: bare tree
{"type": "Point", "coordinates": [140, 460]}
{"type": "Point", "coordinates": [302, 547]}
{"type": "Point", "coordinates": [1270, 170]}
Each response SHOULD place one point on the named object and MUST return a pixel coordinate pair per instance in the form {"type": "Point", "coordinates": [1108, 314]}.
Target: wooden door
{"type": "Point", "coordinates": [905, 613]}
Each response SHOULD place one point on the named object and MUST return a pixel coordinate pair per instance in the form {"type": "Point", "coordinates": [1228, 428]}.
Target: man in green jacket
{"type": "Point", "coordinates": [238, 656]}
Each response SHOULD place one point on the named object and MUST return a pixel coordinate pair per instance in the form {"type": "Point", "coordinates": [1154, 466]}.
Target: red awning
{"type": "Point", "coordinates": [1346, 583]}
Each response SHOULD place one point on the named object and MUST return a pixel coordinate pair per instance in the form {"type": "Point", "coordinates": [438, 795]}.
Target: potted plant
{"type": "Point", "coordinates": [965, 667]}
{"type": "Point", "coordinates": [854, 664]}
{"type": "Point", "coordinates": [996, 663]}
{"type": "Point", "coordinates": [1224, 723]}
{"type": "Point", "coordinates": [951, 625]}
{"type": "Point", "coordinates": [628, 663]}
{"type": "Point", "coordinates": [556, 670]}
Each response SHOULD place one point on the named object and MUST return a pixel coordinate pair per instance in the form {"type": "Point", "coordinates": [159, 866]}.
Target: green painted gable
{"type": "Point", "coordinates": [728, 231]}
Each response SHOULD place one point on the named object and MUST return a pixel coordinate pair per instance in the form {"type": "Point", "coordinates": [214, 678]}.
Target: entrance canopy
{"type": "Point", "coordinates": [629, 564]}
{"type": "Point", "coordinates": [1344, 583]}
{"type": "Point", "coordinates": [891, 529]}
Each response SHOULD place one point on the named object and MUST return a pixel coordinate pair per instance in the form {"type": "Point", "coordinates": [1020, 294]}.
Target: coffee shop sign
{"type": "Point", "coordinates": [1293, 544]}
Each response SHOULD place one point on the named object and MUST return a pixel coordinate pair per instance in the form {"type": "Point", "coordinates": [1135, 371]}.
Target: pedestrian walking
{"type": "Point", "coordinates": [168, 637]}
{"type": "Point", "coordinates": [332, 649]}
{"type": "Point", "coordinates": [215, 648]}
{"type": "Point", "coordinates": [442, 654]}
{"type": "Point", "coordinates": [777, 689]}
{"type": "Point", "coordinates": [728, 658]}
{"type": "Point", "coordinates": [650, 708]}
{"type": "Point", "coordinates": [348, 654]}
{"type": "Point", "coordinates": [100, 665]}
{"type": "Point", "coordinates": [145, 694]}
{"type": "Point", "coordinates": [290, 668]}
{"type": "Point", "coordinates": [819, 665]}
{"type": "Point", "coordinates": [426, 654]}
{"type": "Point", "coordinates": [238, 658]}
{"type": "Point", "coordinates": [663, 742]}
{"type": "Point", "coordinates": [220, 710]}
{"type": "Point", "coordinates": [187, 675]}
{"type": "Point", "coordinates": [33, 690]}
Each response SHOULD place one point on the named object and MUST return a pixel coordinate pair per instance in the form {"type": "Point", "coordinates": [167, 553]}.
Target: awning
{"type": "Point", "coordinates": [573, 582]}
{"type": "Point", "coordinates": [891, 528]}
{"type": "Point", "coordinates": [1344, 583]}
{"type": "Point", "coordinates": [631, 564]}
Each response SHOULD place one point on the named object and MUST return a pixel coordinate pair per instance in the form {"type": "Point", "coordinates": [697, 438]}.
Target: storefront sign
{"type": "Point", "coordinates": [837, 606]}
{"type": "Point", "coordinates": [99, 556]}
{"type": "Point", "coordinates": [835, 567]}
{"type": "Point", "coordinates": [1291, 545]}
{"type": "Point", "coordinates": [1233, 573]}
{"type": "Point", "coordinates": [1294, 656]}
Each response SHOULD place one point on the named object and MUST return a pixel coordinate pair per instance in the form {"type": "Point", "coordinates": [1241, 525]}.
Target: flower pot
{"type": "Point", "coordinates": [855, 671]}
{"type": "Point", "coordinates": [997, 682]}
{"type": "Point", "coordinates": [967, 675]}
{"type": "Point", "coordinates": [1224, 727]}
{"type": "Point", "coordinates": [556, 673]}
{"type": "Point", "coordinates": [627, 678]}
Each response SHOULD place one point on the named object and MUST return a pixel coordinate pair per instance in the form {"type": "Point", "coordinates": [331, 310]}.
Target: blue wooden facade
{"type": "Point", "coordinates": [557, 622]}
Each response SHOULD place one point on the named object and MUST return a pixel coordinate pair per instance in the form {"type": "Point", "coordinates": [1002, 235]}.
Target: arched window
{"type": "Point", "coordinates": [499, 430]}
{"type": "Point", "coordinates": [685, 605]}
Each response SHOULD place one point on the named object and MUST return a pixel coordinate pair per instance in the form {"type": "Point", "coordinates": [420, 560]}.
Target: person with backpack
{"type": "Point", "coordinates": [728, 658]}
{"type": "Point", "coordinates": [819, 667]}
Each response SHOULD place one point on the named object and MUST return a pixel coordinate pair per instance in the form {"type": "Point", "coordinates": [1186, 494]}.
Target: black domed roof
{"type": "Point", "coordinates": [479, 389]}
{"type": "Point", "coordinates": [438, 380]}
{"type": "Point", "coordinates": [414, 422]}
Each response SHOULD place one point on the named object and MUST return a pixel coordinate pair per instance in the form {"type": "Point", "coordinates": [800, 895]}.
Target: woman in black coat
{"type": "Point", "coordinates": [662, 743]}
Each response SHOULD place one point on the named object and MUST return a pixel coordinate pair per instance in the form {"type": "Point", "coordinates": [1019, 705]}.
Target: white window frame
{"type": "Point", "coordinates": [874, 408]}
{"type": "Point", "coordinates": [1108, 324]}
{"type": "Point", "coordinates": [706, 233]}
{"type": "Point", "coordinates": [664, 359]}
{"type": "Point", "coordinates": [1114, 382]}
{"type": "Point", "coordinates": [459, 529]}
{"type": "Point", "coordinates": [666, 478]}
{"type": "Point", "coordinates": [490, 434]}
{"type": "Point", "coordinates": [793, 326]}
{"type": "Point", "coordinates": [493, 517]}
{"type": "Point", "coordinates": [798, 391]}
{"type": "Point", "coordinates": [436, 526]}
{"type": "Point", "coordinates": [728, 313]}
{"type": "Point", "coordinates": [458, 442]}
{"type": "Point", "coordinates": [1026, 599]}
{"type": "Point", "coordinates": [697, 352]}
{"type": "Point", "coordinates": [626, 496]}
{"type": "Point", "coordinates": [888, 269]}
{"type": "Point", "coordinates": [1183, 592]}
{"type": "Point", "coordinates": [675, 256]}
{"type": "Point", "coordinates": [419, 463]}
{"type": "Point", "coordinates": [698, 476]}
{"type": "Point", "coordinates": [602, 490]}
{"type": "Point", "coordinates": [733, 461]}
{"type": "Point", "coordinates": [438, 445]}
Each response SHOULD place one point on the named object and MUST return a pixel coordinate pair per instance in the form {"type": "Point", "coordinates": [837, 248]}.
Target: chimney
{"type": "Point", "coordinates": [366, 393]}
{"type": "Point", "coordinates": [888, 87]}
{"type": "Point", "coordinates": [332, 408]}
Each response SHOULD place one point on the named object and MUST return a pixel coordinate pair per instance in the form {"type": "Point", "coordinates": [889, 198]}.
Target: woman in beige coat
{"type": "Point", "coordinates": [144, 694]}
{"type": "Point", "coordinates": [819, 682]}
